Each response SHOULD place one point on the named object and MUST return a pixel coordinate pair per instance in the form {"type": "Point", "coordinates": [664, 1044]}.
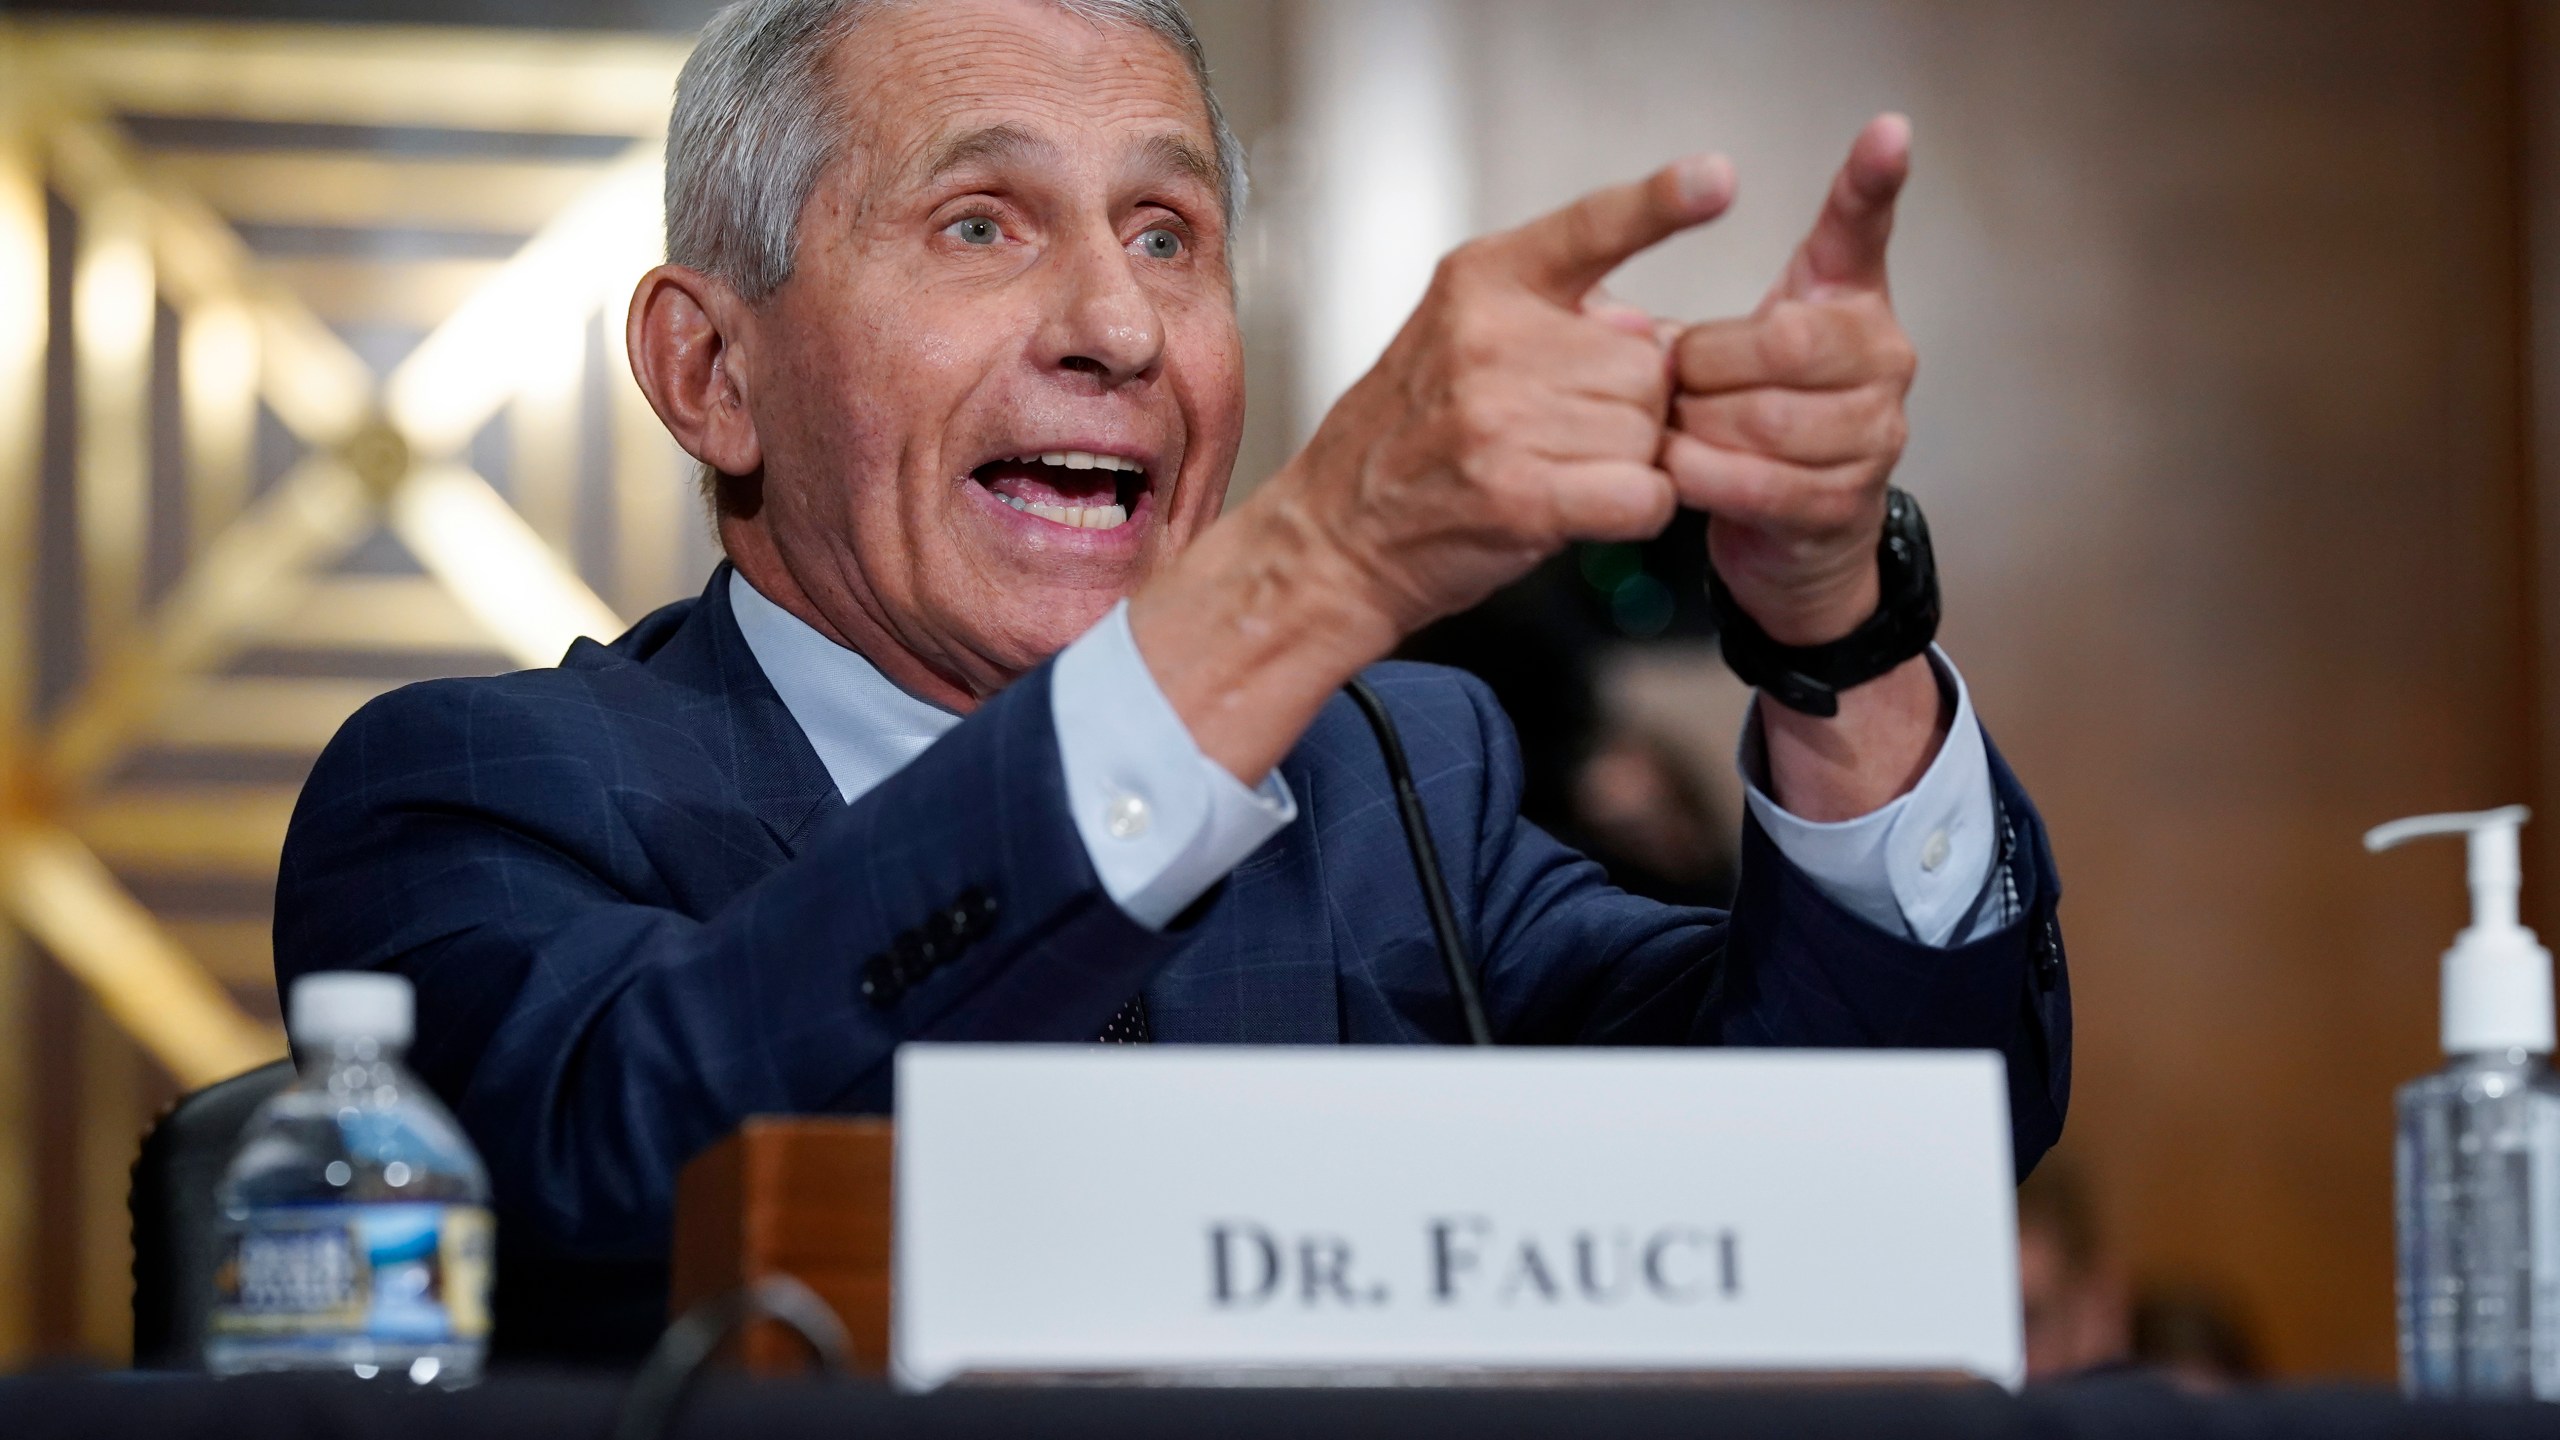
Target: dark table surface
{"type": "Point", "coordinates": [42, 1407]}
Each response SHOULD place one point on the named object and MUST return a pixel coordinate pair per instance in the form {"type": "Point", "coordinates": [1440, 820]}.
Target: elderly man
{"type": "Point", "coordinates": [991, 728]}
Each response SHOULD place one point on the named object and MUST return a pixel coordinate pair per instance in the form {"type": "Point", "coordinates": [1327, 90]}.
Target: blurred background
{"type": "Point", "coordinates": [2238, 425]}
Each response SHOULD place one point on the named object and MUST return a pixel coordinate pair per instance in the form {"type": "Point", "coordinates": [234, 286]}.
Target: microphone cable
{"type": "Point", "coordinates": [1426, 863]}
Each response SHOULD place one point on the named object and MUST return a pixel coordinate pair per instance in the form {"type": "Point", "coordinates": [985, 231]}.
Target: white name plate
{"type": "Point", "coordinates": [1178, 1210]}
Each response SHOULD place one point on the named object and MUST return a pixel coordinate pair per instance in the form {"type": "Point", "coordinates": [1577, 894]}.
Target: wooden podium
{"type": "Point", "coordinates": [798, 1195]}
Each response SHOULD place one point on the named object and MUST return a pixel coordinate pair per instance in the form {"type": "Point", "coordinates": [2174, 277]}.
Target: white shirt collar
{"type": "Point", "coordinates": [864, 728]}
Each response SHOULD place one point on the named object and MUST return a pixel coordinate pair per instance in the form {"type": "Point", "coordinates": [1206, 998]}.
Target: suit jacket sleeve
{"type": "Point", "coordinates": [594, 1026]}
{"type": "Point", "coordinates": [1569, 958]}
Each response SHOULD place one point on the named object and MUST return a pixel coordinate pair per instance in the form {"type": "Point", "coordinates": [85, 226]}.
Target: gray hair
{"type": "Point", "coordinates": [754, 123]}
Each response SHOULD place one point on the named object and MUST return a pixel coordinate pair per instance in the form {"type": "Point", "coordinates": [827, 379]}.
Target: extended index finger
{"type": "Point", "coordinates": [1564, 253]}
{"type": "Point", "coordinates": [1847, 245]}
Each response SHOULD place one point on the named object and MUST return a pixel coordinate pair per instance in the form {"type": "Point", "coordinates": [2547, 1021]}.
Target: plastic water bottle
{"type": "Point", "coordinates": [2478, 1158]}
{"type": "Point", "coordinates": [356, 1231]}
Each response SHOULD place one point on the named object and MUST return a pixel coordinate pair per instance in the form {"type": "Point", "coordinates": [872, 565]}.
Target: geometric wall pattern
{"type": "Point", "coordinates": [311, 384]}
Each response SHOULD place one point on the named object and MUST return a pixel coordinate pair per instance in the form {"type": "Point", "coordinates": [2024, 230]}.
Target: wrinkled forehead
{"type": "Point", "coordinates": [927, 87]}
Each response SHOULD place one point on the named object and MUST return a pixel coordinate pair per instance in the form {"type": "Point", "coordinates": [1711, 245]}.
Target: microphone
{"type": "Point", "coordinates": [1426, 863]}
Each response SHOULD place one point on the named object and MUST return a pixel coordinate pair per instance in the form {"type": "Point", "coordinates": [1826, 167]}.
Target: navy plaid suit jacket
{"type": "Point", "coordinates": [636, 912]}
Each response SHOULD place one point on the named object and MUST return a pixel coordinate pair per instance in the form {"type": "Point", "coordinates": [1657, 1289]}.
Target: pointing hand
{"type": "Point", "coordinates": [1506, 419]}
{"type": "Point", "coordinates": [1786, 423]}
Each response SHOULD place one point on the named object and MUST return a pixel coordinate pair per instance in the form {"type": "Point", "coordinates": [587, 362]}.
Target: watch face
{"type": "Point", "coordinates": [1906, 537]}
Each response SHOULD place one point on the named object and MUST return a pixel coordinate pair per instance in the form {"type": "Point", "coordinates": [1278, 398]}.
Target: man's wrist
{"type": "Point", "coordinates": [1255, 627]}
{"type": "Point", "coordinates": [1809, 611]}
{"type": "Point", "coordinates": [1879, 744]}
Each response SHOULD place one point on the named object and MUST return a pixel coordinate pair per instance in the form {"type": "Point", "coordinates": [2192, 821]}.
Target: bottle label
{"type": "Point", "coordinates": [415, 1273]}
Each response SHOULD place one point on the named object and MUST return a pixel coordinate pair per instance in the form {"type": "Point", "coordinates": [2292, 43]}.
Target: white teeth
{"type": "Point", "coordinates": [1086, 516]}
{"type": "Point", "coordinates": [1080, 460]}
{"type": "Point", "coordinates": [1081, 517]}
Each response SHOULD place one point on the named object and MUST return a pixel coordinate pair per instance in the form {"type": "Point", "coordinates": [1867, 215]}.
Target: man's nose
{"type": "Point", "coordinates": [1103, 323]}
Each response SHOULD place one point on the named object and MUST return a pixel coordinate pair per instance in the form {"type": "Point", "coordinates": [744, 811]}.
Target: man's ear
{"type": "Point", "coordinates": [683, 333]}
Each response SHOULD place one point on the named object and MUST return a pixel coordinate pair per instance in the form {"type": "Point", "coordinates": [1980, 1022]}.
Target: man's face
{"type": "Point", "coordinates": [2076, 1315]}
{"type": "Point", "coordinates": [1004, 383]}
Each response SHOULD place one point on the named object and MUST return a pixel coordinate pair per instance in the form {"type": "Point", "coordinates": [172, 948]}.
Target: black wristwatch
{"type": "Point", "coordinates": [1809, 678]}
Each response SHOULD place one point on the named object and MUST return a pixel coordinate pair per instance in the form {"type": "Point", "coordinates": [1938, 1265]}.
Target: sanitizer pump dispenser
{"type": "Point", "coordinates": [2478, 1158]}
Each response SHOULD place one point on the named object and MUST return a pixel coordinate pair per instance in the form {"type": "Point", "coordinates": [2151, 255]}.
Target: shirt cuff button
{"type": "Point", "coordinates": [1126, 818]}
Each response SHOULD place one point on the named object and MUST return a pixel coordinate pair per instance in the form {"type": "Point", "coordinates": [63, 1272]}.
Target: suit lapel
{"type": "Point", "coordinates": [735, 710]}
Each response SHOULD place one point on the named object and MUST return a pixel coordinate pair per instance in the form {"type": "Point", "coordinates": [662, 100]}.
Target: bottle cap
{"type": "Point", "coordinates": [340, 1005]}
{"type": "Point", "coordinates": [2497, 976]}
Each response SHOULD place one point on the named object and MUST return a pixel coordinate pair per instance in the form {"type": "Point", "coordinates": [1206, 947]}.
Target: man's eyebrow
{"type": "Point", "coordinates": [1176, 153]}
{"type": "Point", "coordinates": [1173, 154]}
{"type": "Point", "coordinates": [994, 142]}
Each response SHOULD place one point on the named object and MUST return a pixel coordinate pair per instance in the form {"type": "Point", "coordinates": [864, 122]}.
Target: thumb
{"type": "Point", "coordinates": [1561, 255]}
{"type": "Point", "coordinates": [1846, 248]}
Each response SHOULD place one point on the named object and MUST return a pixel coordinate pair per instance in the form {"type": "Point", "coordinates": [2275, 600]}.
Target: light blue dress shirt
{"type": "Point", "coordinates": [1919, 865]}
{"type": "Point", "coordinates": [1162, 822]}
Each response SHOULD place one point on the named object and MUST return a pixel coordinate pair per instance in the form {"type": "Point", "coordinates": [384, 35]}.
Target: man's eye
{"type": "Point", "coordinates": [976, 230]}
{"type": "Point", "coordinates": [1159, 244]}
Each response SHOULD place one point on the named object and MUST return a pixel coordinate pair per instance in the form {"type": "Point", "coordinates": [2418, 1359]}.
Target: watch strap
{"type": "Point", "coordinates": [1809, 678]}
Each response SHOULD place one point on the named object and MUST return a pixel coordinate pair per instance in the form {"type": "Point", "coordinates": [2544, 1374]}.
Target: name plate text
{"type": "Point", "coordinates": [1185, 1211]}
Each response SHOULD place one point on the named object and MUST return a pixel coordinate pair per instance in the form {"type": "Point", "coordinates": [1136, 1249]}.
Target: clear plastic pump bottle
{"type": "Point", "coordinates": [2478, 1158]}
{"type": "Point", "coordinates": [356, 1230]}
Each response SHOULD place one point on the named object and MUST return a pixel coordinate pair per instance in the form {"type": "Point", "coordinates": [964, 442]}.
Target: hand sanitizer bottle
{"type": "Point", "coordinates": [2478, 1159]}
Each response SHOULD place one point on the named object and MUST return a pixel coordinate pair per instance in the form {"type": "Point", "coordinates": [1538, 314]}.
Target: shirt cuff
{"type": "Point", "coordinates": [1161, 821]}
{"type": "Point", "coordinates": [1919, 865]}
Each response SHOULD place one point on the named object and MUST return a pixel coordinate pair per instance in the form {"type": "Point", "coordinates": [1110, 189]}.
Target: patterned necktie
{"type": "Point", "coordinates": [1129, 1027]}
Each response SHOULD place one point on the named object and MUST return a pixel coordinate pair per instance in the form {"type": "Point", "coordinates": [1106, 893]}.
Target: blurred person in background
{"type": "Point", "coordinates": [2194, 1334]}
{"type": "Point", "coordinates": [1636, 801]}
{"type": "Point", "coordinates": [2082, 1318]}
{"type": "Point", "coordinates": [2077, 1316]}
{"type": "Point", "coordinates": [1649, 814]}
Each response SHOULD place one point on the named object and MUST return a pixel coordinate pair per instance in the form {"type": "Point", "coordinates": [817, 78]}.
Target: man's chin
{"type": "Point", "coordinates": [1036, 626]}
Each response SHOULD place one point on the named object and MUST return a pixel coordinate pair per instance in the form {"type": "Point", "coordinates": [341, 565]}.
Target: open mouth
{"type": "Point", "coordinates": [1075, 488]}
